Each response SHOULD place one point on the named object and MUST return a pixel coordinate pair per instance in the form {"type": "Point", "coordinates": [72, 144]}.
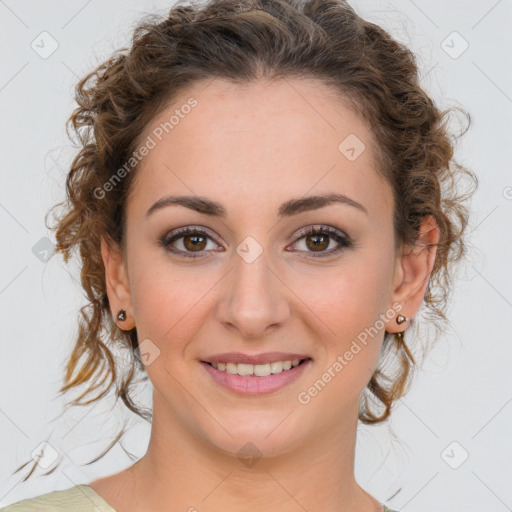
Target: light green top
{"type": "Point", "coordinates": [80, 498]}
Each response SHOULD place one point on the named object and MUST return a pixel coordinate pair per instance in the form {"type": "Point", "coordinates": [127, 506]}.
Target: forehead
{"type": "Point", "coordinates": [259, 140]}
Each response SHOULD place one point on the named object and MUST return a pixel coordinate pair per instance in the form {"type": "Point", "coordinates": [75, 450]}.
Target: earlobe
{"type": "Point", "coordinates": [415, 267]}
{"type": "Point", "coordinates": [117, 284]}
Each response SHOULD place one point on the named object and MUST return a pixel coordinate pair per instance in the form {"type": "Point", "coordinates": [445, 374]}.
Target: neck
{"type": "Point", "coordinates": [182, 471]}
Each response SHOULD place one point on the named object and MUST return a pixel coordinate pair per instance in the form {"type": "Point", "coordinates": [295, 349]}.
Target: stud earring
{"type": "Point", "coordinates": [121, 315]}
{"type": "Point", "coordinates": [401, 319]}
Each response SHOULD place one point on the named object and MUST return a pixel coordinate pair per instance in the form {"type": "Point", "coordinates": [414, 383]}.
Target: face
{"type": "Point", "coordinates": [265, 276]}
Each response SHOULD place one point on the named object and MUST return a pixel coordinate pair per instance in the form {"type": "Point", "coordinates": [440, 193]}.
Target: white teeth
{"type": "Point", "coordinates": [258, 370]}
{"type": "Point", "coordinates": [276, 367]}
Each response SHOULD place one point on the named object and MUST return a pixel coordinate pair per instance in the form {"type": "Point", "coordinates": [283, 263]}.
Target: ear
{"type": "Point", "coordinates": [412, 272]}
{"type": "Point", "coordinates": [116, 278]}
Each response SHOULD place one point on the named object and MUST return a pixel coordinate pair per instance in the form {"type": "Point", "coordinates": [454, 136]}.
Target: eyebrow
{"type": "Point", "coordinates": [287, 209]}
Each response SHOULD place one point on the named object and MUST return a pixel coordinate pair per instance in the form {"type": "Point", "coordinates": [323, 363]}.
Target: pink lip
{"type": "Point", "coordinates": [251, 385]}
{"type": "Point", "coordinates": [267, 357]}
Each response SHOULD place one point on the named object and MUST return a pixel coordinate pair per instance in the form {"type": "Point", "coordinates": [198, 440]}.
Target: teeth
{"type": "Point", "coordinates": [258, 370]}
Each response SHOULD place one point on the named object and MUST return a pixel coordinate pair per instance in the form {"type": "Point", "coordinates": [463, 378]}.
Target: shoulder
{"type": "Point", "coordinates": [80, 498]}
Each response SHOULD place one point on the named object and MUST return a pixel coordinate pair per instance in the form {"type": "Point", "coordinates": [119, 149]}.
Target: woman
{"type": "Point", "coordinates": [260, 209]}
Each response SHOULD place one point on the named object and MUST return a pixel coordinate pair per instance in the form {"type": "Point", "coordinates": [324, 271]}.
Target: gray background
{"type": "Point", "coordinates": [459, 404]}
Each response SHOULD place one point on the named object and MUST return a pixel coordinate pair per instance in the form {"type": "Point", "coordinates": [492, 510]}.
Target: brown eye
{"type": "Point", "coordinates": [317, 242]}
{"type": "Point", "coordinates": [194, 242]}
{"type": "Point", "coordinates": [188, 242]}
{"type": "Point", "coordinates": [318, 239]}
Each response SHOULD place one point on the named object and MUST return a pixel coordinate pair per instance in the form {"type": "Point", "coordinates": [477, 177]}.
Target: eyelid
{"type": "Point", "coordinates": [319, 227]}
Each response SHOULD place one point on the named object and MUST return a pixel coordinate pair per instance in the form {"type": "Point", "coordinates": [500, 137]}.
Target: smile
{"type": "Point", "coordinates": [248, 379]}
{"type": "Point", "coordinates": [257, 370]}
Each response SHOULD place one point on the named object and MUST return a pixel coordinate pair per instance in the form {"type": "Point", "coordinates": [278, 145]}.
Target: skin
{"type": "Point", "coordinates": [251, 149]}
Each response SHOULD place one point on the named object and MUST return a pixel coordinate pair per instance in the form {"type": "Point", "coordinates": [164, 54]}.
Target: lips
{"type": "Point", "coordinates": [266, 357]}
{"type": "Point", "coordinates": [256, 384]}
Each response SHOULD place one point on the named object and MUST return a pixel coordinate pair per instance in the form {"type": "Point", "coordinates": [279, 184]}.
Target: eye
{"type": "Point", "coordinates": [318, 238]}
{"type": "Point", "coordinates": [192, 242]}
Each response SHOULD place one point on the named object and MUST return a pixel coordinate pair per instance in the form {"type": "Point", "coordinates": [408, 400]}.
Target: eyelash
{"type": "Point", "coordinates": [333, 233]}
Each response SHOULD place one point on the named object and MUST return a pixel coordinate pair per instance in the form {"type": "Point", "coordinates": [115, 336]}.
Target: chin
{"type": "Point", "coordinates": [252, 440]}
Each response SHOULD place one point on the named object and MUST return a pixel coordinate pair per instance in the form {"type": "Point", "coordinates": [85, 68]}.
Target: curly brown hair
{"type": "Point", "coordinates": [243, 41]}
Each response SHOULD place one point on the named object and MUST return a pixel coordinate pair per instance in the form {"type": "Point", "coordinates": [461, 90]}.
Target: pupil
{"type": "Point", "coordinates": [196, 240]}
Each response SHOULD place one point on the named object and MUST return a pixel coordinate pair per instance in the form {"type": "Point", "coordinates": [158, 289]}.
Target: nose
{"type": "Point", "coordinates": [254, 300]}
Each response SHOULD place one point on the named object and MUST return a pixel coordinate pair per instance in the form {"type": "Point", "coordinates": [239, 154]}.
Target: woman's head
{"type": "Point", "coordinates": [251, 105]}
{"type": "Point", "coordinates": [253, 281]}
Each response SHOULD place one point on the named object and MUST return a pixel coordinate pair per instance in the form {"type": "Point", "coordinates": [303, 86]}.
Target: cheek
{"type": "Point", "coordinates": [348, 299]}
{"type": "Point", "coordinates": [345, 318]}
{"type": "Point", "coordinates": [168, 303]}
{"type": "Point", "coordinates": [347, 309]}
{"type": "Point", "coordinates": [170, 313]}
